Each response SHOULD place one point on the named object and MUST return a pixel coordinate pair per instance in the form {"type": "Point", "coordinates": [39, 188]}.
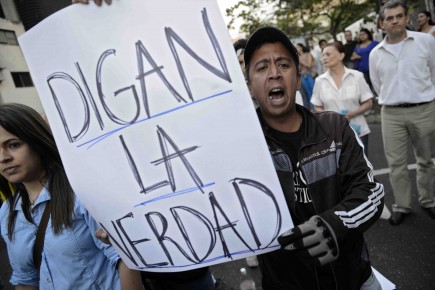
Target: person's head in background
{"type": "Point", "coordinates": [348, 36]}
{"type": "Point", "coordinates": [424, 19]}
{"type": "Point", "coordinates": [333, 55]}
{"type": "Point", "coordinates": [322, 44]}
{"type": "Point", "coordinates": [239, 47]}
{"type": "Point", "coordinates": [300, 48]}
{"type": "Point", "coordinates": [365, 35]}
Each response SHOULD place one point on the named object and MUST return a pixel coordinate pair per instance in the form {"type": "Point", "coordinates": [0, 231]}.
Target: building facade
{"type": "Point", "coordinates": [16, 17]}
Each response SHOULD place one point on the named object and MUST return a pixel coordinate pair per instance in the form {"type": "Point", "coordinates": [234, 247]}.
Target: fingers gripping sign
{"type": "Point", "coordinates": [102, 236]}
{"type": "Point", "coordinates": [313, 241]}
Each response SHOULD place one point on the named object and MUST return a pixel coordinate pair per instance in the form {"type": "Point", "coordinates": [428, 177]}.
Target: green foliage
{"type": "Point", "coordinates": [252, 12]}
{"type": "Point", "coordinates": [301, 18]}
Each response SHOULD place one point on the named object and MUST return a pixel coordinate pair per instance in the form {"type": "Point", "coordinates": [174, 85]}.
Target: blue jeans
{"type": "Point", "coordinates": [308, 85]}
{"type": "Point", "coordinates": [203, 282]}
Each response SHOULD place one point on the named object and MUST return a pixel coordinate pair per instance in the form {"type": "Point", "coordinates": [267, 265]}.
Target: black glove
{"type": "Point", "coordinates": [313, 241]}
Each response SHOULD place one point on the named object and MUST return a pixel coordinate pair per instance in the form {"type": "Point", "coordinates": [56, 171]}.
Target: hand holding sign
{"type": "Point", "coordinates": [102, 236]}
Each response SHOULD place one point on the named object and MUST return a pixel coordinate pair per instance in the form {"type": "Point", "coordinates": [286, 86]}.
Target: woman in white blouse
{"type": "Point", "coordinates": [344, 91]}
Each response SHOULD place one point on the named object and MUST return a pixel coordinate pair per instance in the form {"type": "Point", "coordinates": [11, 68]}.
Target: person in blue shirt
{"type": "Point", "coordinates": [361, 54]}
{"type": "Point", "coordinates": [72, 257]}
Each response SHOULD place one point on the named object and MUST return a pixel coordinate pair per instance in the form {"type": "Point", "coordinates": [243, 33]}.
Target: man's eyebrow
{"type": "Point", "coordinates": [392, 16]}
{"type": "Point", "coordinates": [265, 59]}
{"type": "Point", "coordinates": [284, 58]}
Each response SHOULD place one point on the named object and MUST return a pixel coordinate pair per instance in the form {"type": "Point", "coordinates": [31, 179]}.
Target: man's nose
{"type": "Point", "coordinates": [274, 72]}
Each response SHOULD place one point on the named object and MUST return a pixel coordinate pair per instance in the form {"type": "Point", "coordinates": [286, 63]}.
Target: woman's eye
{"type": "Point", "coordinates": [14, 145]}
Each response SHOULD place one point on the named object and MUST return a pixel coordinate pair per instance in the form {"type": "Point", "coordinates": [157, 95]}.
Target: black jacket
{"type": "Point", "coordinates": [344, 193]}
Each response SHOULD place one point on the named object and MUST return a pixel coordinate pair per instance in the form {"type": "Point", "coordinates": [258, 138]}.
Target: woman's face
{"type": "Point", "coordinates": [422, 19]}
{"type": "Point", "coordinates": [332, 57]}
{"type": "Point", "coordinates": [363, 36]}
{"type": "Point", "coordinates": [299, 49]}
{"type": "Point", "coordinates": [18, 162]}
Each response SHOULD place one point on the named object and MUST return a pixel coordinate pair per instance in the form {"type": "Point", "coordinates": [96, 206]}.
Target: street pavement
{"type": "Point", "coordinates": [404, 254]}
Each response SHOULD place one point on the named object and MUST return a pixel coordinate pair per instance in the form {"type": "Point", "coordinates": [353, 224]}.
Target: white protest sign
{"type": "Point", "coordinates": [157, 131]}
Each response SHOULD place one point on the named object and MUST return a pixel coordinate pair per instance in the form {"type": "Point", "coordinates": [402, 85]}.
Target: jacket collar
{"type": "Point", "coordinates": [313, 131]}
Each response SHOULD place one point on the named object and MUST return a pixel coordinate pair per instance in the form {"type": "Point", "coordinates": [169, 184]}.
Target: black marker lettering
{"type": "Point", "coordinates": [161, 237]}
{"type": "Point", "coordinates": [164, 139]}
{"type": "Point", "coordinates": [91, 98]}
{"type": "Point", "coordinates": [257, 185]}
{"type": "Point", "coordinates": [85, 127]}
{"type": "Point", "coordinates": [171, 36]}
{"type": "Point", "coordinates": [199, 216]}
{"type": "Point", "coordinates": [109, 113]}
{"type": "Point", "coordinates": [215, 205]}
{"type": "Point", "coordinates": [141, 50]}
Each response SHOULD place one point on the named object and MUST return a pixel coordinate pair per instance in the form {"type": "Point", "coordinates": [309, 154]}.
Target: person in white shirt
{"type": "Point", "coordinates": [402, 70]}
{"type": "Point", "coordinates": [344, 91]}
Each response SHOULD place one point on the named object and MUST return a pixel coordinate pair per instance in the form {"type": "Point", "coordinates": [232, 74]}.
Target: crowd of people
{"type": "Point", "coordinates": [304, 111]}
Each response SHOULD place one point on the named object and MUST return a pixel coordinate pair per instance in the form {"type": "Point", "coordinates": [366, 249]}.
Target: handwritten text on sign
{"type": "Point", "coordinates": [157, 131]}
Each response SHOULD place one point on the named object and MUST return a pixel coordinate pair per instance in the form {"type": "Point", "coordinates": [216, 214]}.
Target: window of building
{"type": "Point", "coordinates": [22, 79]}
{"type": "Point", "coordinates": [8, 37]}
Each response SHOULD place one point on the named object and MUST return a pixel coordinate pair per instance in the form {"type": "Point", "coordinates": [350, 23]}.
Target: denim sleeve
{"type": "Point", "coordinates": [30, 278]}
{"type": "Point", "coordinates": [23, 273]}
{"type": "Point", "coordinates": [109, 250]}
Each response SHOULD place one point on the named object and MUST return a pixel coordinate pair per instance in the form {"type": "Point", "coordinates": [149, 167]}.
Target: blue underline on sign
{"type": "Point", "coordinates": [208, 260]}
{"type": "Point", "coordinates": [172, 194]}
{"type": "Point", "coordinates": [96, 140]}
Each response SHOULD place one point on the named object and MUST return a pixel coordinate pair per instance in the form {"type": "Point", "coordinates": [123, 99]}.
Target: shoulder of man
{"type": "Point", "coordinates": [422, 37]}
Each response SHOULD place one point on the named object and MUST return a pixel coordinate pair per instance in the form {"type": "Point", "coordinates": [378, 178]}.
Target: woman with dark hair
{"type": "Point", "coordinates": [362, 52]}
{"type": "Point", "coordinates": [425, 23]}
{"type": "Point", "coordinates": [344, 91]}
{"type": "Point", "coordinates": [71, 256]}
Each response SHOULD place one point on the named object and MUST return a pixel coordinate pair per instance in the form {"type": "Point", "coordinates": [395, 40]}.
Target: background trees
{"type": "Point", "coordinates": [305, 18]}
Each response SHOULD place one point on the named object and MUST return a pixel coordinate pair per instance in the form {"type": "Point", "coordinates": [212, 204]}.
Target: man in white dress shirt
{"type": "Point", "coordinates": [402, 70]}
